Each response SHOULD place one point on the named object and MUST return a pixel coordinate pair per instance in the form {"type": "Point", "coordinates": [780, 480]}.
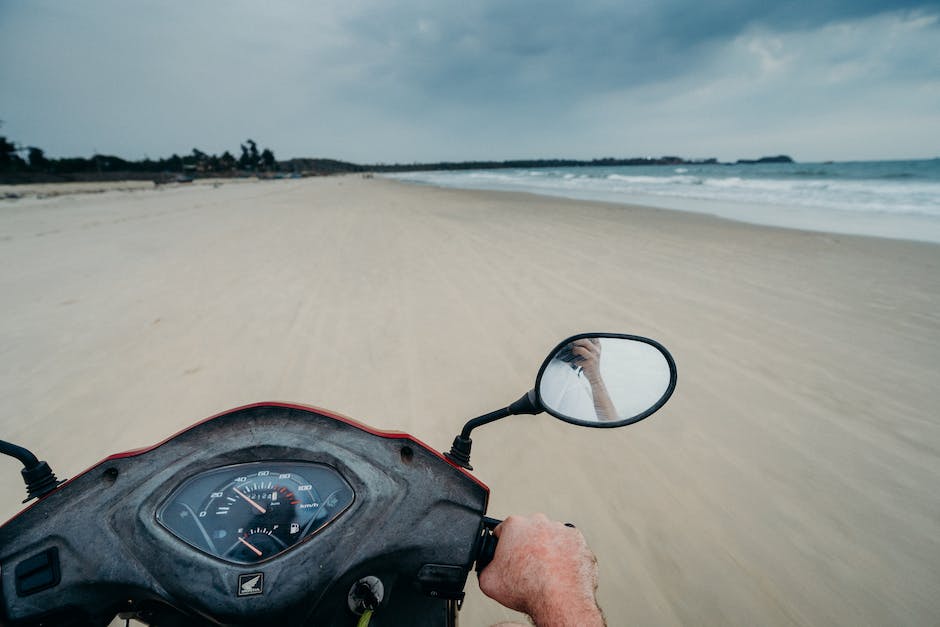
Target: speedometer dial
{"type": "Point", "coordinates": [252, 512]}
{"type": "Point", "coordinates": [260, 514]}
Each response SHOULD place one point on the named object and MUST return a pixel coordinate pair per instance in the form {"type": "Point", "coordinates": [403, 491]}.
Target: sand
{"type": "Point", "coordinates": [792, 479]}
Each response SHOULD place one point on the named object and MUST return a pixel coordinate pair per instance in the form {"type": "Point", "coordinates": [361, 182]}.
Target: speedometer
{"type": "Point", "coordinates": [252, 512]}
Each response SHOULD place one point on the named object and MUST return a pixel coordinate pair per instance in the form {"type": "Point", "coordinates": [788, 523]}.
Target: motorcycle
{"type": "Point", "coordinates": [277, 513]}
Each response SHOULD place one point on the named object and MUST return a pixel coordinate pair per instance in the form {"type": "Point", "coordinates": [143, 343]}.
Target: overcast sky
{"type": "Point", "coordinates": [427, 80]}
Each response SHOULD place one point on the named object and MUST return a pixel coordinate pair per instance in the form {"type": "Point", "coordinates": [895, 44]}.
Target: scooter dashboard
{"type": "Point", "coordinates": [249, 513]}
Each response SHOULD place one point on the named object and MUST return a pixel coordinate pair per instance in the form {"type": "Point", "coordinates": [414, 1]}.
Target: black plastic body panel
{"type": "Point", "coordinates": [414, 513]}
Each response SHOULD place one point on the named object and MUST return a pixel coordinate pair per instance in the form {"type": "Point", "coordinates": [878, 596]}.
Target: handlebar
{"type": "Point", "coordinates": [488, 542]}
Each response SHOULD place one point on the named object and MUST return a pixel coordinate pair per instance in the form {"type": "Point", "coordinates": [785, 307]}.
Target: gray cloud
{"type": "Point", "coordinates": [371, 80]}
{"type": "Point", "coordinates": [509, 47]}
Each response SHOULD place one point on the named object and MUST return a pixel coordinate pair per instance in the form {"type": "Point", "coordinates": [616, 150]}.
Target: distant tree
{"type": "Point", "coordinates": [200, 160]}
{"type": "Point", "coordinates": [7, 151]}
{"type": "Point", "coordinates": [112, 163]}
{"type": "Point", "coordinates": [9, 160]}
{"type": "Point", "coordinates": [37, 159]}
{"type": "Point", "coordinates": [67, 165]}
{"type": "Point", "coordinates": [267, 159]}
{"type": "Point", "coordinates": [227, 162]}
{"type": "Point", "coordinates": [250, 160]}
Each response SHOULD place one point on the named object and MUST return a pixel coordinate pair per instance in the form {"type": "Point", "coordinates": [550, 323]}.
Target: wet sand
{"type": "Point", "coordinates": [792, 479]}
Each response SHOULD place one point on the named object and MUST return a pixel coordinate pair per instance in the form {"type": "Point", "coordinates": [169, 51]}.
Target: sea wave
{"type": "Point", "coordinates": [860, 188]}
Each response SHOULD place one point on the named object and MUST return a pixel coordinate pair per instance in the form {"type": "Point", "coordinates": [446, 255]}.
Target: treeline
{"type": "Point", "coordinates": [29, 163]}
{"type": "Point", "coordinates": [534, 163]}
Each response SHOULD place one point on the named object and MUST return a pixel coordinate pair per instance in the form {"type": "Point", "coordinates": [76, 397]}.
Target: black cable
{"type": "Point", "coordinates": [28, 459]}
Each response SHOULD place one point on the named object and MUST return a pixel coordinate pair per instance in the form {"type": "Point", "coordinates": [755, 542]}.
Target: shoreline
{"type": "Point", "coordinates": [901, 225]}
{"type": "Point", "coordinates": [684, 207]}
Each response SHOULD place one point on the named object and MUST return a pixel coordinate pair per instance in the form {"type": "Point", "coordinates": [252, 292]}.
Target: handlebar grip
{"type": "Point", "coordinates": [487, 546]}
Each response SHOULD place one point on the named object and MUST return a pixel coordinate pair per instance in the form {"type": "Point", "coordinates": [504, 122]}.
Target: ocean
{"type": "Point", "coordinates": [897, 199]}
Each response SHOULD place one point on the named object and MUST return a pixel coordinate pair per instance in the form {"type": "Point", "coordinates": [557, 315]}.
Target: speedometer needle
{"type": "Point", "coordinates": [250, 546]}
{"type": "Point", "coordinates": [250, 502]}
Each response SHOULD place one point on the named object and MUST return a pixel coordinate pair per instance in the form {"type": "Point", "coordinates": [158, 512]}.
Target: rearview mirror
{"type": "Point", "coordinates": [605, 379]}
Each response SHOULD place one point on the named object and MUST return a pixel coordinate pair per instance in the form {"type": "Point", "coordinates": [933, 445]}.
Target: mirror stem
{"type": "Point", "coordinates": [460, 450]}
{"type": "Point", "coordinates": [525, 405]}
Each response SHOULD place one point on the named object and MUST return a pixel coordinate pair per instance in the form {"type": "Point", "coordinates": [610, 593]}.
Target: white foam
{"type": "Point", "coordinates": [893, 207]}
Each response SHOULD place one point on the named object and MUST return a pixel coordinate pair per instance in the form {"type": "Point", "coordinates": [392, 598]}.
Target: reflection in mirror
{"type": "Point", "coordinates": [604, 379]}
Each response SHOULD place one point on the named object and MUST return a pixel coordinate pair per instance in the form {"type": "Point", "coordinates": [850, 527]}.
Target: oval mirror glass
{"type": "Point", "coordinates": [606, 379]}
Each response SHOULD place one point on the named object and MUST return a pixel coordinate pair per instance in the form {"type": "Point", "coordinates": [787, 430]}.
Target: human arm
{"type": "Point", "coordinates": [546, 570]}
{"type": "Point", "coordinates": [587, 354]}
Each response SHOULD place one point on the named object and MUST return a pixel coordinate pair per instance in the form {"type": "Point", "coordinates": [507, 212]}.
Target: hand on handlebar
{"type": "Point", "coordinates": [544, 569]}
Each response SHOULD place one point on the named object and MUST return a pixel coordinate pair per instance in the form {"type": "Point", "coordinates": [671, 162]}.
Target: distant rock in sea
{"type": "Point", "coordinates": [777, 159]}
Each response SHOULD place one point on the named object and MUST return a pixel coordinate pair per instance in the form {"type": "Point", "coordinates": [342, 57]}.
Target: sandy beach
{"type": "Point", "coordinates": [792, 479]}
